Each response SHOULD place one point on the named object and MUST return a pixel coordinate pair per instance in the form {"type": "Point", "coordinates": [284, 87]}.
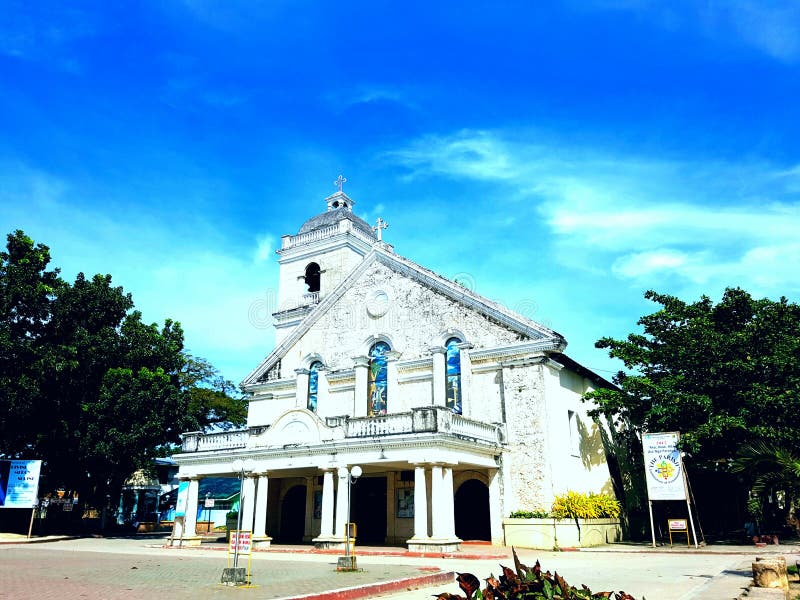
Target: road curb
{"type": "Point", "coordinates": [373, 589]}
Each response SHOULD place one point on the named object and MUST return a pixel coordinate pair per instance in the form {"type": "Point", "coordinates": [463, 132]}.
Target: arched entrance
{"type": "Point", "coordinates": [472, 511]}
{"type": "Point", "coordinates": [293, 515]}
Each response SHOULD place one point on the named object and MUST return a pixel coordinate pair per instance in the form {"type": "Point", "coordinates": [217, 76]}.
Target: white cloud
{"type": "Point", "coordinates": [635, 217]}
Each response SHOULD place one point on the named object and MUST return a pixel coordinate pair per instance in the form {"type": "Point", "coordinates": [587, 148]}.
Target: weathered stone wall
{"type": "Point", "coordinates": [526, 465]}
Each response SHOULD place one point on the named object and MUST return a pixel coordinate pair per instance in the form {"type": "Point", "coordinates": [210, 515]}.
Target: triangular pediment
{"type": "Point", "coordinates": [382, 264]}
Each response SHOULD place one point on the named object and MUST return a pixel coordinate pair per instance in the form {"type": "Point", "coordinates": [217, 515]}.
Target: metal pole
{"type": "Point", "coordinates": [652, 526]}
{"type": "Point", "coordinates": [689, 507]}
{"type": "Point", "coordinates": [30, 527]}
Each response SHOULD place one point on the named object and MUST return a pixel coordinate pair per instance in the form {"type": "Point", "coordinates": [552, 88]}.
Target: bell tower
{"type": "Point", "coordinates": [327, 247]}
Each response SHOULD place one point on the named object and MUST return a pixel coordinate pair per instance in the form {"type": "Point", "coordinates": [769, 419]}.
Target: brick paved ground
{"type": "Point", "coordinates": [45, 572]}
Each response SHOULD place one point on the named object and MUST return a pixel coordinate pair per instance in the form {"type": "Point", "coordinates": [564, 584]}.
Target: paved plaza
{"type": "Point", "coordinates": [133, 568]}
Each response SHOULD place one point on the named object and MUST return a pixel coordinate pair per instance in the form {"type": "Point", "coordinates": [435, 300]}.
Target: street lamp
{"type": "Point", "coordinates": [349, 562]}
{"type": "Point", "coordinates": [241, 467]}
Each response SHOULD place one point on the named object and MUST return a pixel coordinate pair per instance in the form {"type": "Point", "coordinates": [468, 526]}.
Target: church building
{"type": "Point", "coordinates": [397, 400]}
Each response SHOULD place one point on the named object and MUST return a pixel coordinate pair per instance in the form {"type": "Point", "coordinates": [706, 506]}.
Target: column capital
{"type": "Point", "coordinates": [465, 345]}
{"type": "Point", "coordinates": [361, 362]}
{"type": "Point", "coordinates": [302, 371]}
{"type": "Point", "coordinates": [393, 356]}
{"type": "Point", "coordinates": [438, 350]}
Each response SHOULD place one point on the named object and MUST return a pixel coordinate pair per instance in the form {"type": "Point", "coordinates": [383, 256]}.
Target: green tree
{"type": "Point", "coordinates": [723, 374]}
{"type": "Point", "coordinates": [87, 386]}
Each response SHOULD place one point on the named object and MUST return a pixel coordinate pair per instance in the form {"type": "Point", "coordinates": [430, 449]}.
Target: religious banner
{"type": "Point", "coordinates": [183, 499]}
{"type": "Point", "coordinates": [19, 483]}
{"type": "Point", "coordinates": [663, 466]}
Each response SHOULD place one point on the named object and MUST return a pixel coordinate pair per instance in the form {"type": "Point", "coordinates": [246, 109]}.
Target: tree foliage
{"type": "Point", "coordinates": [724, 374]}
{"type": "Point", "coordinates": [86, 385]}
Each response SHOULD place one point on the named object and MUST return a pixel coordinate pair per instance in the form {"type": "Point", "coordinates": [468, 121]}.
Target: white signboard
{"type": "Point", "coordinates": [19, 483]}
{"type": "Point", "coordinates": [241, 542]}
{"type": "Point", "coordinates": [663, 466]}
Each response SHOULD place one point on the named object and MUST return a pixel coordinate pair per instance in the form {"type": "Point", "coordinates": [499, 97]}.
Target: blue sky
{"type": "Point", "coordinates": [560, 158]}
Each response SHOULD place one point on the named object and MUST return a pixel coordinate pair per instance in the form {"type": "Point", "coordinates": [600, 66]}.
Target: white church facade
{"type": "Point", "coordinates": [456, 410]}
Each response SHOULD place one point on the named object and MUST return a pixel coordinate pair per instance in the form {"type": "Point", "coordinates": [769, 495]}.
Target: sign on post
{"type": "Point", "coordinates": [662, 461]}
{"type": "Point", "coordinates": [241, 542]}
{"type": "Point", "coordinates": [19, 483]}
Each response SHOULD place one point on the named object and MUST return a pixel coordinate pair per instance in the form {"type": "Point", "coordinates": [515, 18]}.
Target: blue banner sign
{"type": "Point", "coordinates": [19, 483]}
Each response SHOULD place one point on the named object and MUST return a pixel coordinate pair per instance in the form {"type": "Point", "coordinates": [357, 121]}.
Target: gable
{"type": "Point", "coordinates": [392, 298]}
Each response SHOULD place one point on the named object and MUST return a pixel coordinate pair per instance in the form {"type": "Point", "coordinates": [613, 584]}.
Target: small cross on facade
{"type": "Point", "coordinates": [380, 225]}
{"type": "Point", "coordinates": [340, 181]}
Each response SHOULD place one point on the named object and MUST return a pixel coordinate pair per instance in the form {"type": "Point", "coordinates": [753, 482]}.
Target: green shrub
{"type": "Point", "coordinates": [576, 505]}
{"type": "Point", "coordinates": [530, 514]}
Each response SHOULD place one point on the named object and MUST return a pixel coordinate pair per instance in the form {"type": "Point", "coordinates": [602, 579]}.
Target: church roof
{"type": "Point", "coordinates": [546, 339]}
{"type": "Point", "coordinates": [333, 216]}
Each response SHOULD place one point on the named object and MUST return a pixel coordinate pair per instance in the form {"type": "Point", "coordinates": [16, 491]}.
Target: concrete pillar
{"type": "Point", "coordinates": [392, 393]}
{"type": "Point", "coordinates": [438, 519]}
{"type": "Point", "coordinates": [190, 520]}
{"type": "Point", "coordinates": [342, 504]}
{"type": "Point", "coordinates": [260, 537]}
{"type": "Point", "coordinates": [324, 409]}
{"type": "Point", "coordinates": [326, 529]}
{"type": "Point", "coordinates": [420, 503]}
{"type": "Point", "coordinates": [495, 508]}
{"type": "Point", "coordinates": [301, 389]}
{"type": "Point", "coordinates": [360, 366]}
{"type": "Point", "coordinates": [247, 503]}
{"type": "Point", "coordinates": [449, 502]}
{"type": "Point", "coordinates": [439, 391]}
{"type": "Point", "coordinates": [308, 532]}
{"type": "Point", "coordinates": [467, 409]}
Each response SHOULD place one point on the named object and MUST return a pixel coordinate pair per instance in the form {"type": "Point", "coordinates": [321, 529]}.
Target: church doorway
{"type": "Point", "coordinates": [368, 510]}
{"type": "Point", "coordinates": [472, 511]}
{"type": "Point", "coordinates": [293, 515]}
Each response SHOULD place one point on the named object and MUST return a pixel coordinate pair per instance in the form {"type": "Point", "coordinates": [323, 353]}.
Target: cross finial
{"type": "Point", "coordinates": [340, 181]}
{"type": "Point", "coordinates": [380, 225]}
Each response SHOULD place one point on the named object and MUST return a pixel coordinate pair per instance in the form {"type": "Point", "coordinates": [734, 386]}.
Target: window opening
{"type": "Point", "coordinates": [377, 390]}
{"type": "Point", "coordinates": [313, 385]}
{"type": "Point", "coordinates": [312, 277]}
{"type": "Point", "coordinates": [453, 375]}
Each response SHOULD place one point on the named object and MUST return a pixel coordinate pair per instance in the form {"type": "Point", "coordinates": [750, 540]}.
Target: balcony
{"type": "Point", "coordinates": [428, 419]}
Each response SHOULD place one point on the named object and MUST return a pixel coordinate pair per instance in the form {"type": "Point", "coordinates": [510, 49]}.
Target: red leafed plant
{"type": "Point", "coordinates": [528, 583]}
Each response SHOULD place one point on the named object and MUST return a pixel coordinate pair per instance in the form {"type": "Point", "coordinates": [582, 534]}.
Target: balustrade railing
{"type": "Point", "coordinates": [430, 419]}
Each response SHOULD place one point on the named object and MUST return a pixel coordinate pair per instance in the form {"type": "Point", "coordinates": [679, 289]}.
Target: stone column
{"type": "Point", "coordinates": [495, 508]}
{"type": "Point", "coordinates": [420, 503]}
{"type": "Point", "coordinates": [308, 533]}
{"type": "Point", "coordinates": [467, 409]}
{"type": "Point", "coordinates": [323, 404]}
{"type": "Point", "coordinates": [301, 389]}
{"type": "Point", "coordinates": [361, 366]}
{"type": "Point", "coordinates": [439, 395]}
{"type": "Point", "coordinates": [392, 392]}
{"type": "Point", "coordinates": [438, 519]}
{"type": "Point", "coordinates": [326, 533]}
{"type": "Point", "coordinates": [342, 505]}
{"type": "Point", "coordinates": [247, 503]}
{"type": "Point", "coordinates": [260, 537]}
{"type": "Point", "coordinates": [448, 503]}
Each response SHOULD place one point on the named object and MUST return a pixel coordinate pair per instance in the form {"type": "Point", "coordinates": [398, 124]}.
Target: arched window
{"type": "Point", "coordinates": [313, 380]}
{"type": "Point", "coordinates": [453, 375]}
{"type": "Point", "coordinates": [377, 392]}
{"type": "Point", "coordinates": [312, 277]}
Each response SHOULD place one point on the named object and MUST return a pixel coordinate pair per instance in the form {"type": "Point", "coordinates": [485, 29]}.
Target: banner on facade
{"type": "Point", "coordinates": [183, 499]}
{"type": "Point", "coordinates": [663, 466]}
{"type": "Point", "coordinates": [19, 483]}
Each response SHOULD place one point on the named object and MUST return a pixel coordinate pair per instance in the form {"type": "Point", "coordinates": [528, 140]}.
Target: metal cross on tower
{"type": "Point", "coordinates": [380, 224]}
{"type": "Point", "coordinates": [340, 181]}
